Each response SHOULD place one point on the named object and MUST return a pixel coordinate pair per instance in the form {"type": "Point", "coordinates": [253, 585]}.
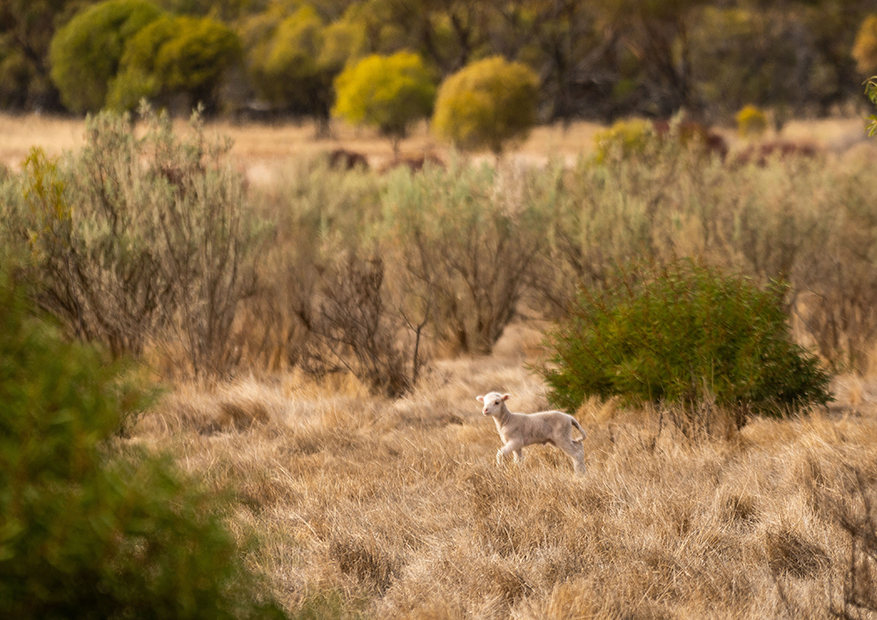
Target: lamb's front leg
{"type": "Point", "coordinates": [512, 446]}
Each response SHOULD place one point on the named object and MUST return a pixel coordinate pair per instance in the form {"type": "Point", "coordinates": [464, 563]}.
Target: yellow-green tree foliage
{"type": "Point", "coordinates": [751, 121]}
{"type": "Point", "coordinates": [486, 104]}
{"type": "Point", "coordinates": [175, 55]}
{"type": "Point", "coordinates": [865, 47]}
{"type": "Point", "coordinates": [85, 54]}
{"type": "Point", "coordinates": [385, 92]}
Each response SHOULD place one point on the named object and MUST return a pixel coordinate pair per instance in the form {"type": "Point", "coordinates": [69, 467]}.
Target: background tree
{"type": "Point", "coordinates": [572, 50]}
{"type": "Point", "coordinates": [386, 92]}
{"type": "Point", "coordinates": [865, 48]}
{"type": "Point", "coordinates": [594, 60]}
{"type": "Point", "coordinates": [85, 54]}
{"type": "Point", "coordinates": [655, 35]}
{"type": "Point", "coordinates": [26, 31]}
{"type": "Point", "coordinates": [175, 56]}
{"type": "Point", "coordinates": [487, 104]}
{"type": "Point", "coordinates": [292, 60]}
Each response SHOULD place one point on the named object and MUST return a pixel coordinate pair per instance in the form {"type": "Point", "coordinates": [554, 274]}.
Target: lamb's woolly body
{"type": "Point", "coordinates": [518, 430]}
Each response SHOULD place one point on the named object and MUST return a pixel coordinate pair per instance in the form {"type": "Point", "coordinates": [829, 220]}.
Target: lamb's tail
{"type": "Point", "coordinates": [579, 429]}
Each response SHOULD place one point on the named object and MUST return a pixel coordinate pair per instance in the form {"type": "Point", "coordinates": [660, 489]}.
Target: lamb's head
{"type": "Point", "coordinates": [493, 402]}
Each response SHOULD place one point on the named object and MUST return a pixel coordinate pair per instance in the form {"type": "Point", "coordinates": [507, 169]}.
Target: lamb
{"type": "Point", "coordinates": [518, 430]}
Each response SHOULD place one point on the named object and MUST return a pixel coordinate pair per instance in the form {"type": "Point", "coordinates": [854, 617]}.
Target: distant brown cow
{"type": "Point", "coordinates": [689, 131]}
{"type": "Point", "coordinates": [759, 154]}
{"type": "Point", "coordinates": [415, 163]}
{"type": "Point", "coordinates": [343, 159]}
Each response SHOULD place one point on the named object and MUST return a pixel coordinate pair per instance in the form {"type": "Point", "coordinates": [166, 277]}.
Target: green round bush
{"type": "Point", "coordinates": [486, 104]}
{"type": "Point", "coordinates": [686, 334]}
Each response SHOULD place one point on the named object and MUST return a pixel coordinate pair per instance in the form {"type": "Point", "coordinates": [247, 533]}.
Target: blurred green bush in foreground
{"type": "Point", "coordinates": [84, 533]}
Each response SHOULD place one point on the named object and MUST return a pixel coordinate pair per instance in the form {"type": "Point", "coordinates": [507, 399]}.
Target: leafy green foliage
{"type": "Point", "coordinates": [174, 55]}
{"type": "Point", "coordinates": [292, 59]}
{"type": "Point", "coordinates": [683, 334]}
{"type": "Point", "coordinates": [486, 104]}
{"type": "Point", "coordinates": [85, 54]}
{"type": "Point", "coordinates": [84, 534]}
{"type": "Point", "coordinates": [385, 92]}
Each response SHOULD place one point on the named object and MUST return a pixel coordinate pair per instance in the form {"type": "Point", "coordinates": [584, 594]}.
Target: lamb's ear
{"type": "Point", "coordinates": [480, 399]}
{"type": "Point", "coordinates": [506, 396]}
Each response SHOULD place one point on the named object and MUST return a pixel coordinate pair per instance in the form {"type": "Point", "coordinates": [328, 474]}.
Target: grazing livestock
{"type": "Point", "coordinates": [518, 430]}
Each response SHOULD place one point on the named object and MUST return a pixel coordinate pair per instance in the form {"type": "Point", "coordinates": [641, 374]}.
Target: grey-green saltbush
{"type": "Point", "coordinates": [140, 240]}
{"type": "Point", "coordinates": [468, 239]}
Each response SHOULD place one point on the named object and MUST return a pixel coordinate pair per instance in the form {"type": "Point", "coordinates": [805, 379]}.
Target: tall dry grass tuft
{"type": "Point", "coordinates": [367, 507]}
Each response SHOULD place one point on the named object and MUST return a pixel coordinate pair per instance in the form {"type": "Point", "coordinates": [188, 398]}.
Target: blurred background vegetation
{"type": "Point", "coordinates": [595, 60]}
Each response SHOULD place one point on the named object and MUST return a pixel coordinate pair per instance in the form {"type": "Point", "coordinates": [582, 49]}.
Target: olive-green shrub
{"type": "Point", "coordinates": [388, 93]}
{"type": "Point", "coordinates": [683, 333]}
{"type": "Point", "coordinates": [85, 54]}
{"type": "Point", "coordinates": [486, 104]}
{"type": "Point", "coordinates": [87, 531]}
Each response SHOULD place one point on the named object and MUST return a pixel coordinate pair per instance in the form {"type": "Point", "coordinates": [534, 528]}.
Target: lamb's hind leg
{"type": "Point", "coordinates": [576, 452]}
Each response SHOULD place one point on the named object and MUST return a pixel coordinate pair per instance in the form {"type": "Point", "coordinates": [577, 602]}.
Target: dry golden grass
{"type": "Point", "coordinates": [374, 508]}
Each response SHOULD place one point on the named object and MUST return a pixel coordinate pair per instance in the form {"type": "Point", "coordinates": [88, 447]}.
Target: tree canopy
{"type": "Point", "coordinates": [486, 104]}
{"type": "Point", "coordinates": [594, 60]}
{"type": "Point", "coordinates": [385, 92]}
{"type": "Point", "coordinates": [85, 54]}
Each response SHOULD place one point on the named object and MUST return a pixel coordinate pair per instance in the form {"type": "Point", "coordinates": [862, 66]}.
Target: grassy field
{"type": "Point", "coordinates": [378, 508]}
{"type": "Point", "coordinates": [373, 508]}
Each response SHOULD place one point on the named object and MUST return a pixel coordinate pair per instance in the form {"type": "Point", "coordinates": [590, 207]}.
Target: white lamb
{"type": "Point", "coordinates": [520, 429]}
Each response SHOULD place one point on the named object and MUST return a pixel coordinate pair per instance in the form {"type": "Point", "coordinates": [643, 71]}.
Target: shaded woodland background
{"type": "Point", "coordinates": [595, 60]}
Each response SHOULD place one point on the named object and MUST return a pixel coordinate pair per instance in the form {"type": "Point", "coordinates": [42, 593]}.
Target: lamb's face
{"type": "Point", "coordinates": [492, 402]}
